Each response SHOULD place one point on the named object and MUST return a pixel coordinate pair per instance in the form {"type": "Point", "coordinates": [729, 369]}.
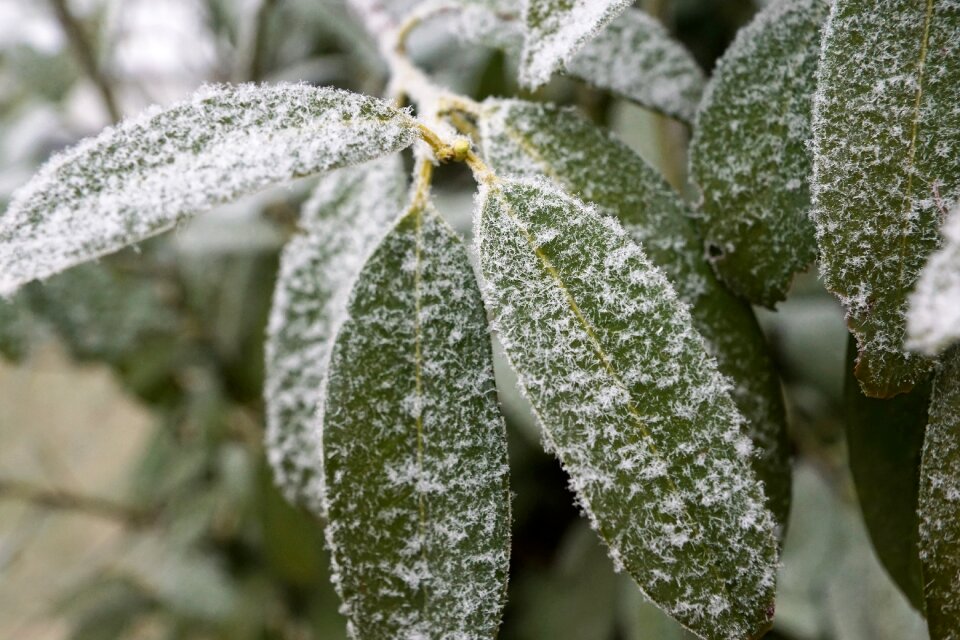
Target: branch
{"type": "Point", "coordinates": [256, 43]}
{"type": "Point", "coordinates": [84, 52]}
{"type": "Point", "coordinates": [60, 499]}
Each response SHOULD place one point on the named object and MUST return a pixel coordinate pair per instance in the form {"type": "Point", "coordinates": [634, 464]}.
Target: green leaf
{"type": "Point", "coordinates": [884, 440]}
{"type": "Point", "coordinates": [343, 220]}
{"type": "Point", "coordinates": [749, 153]}
{"type": "Point", "coordinates": [143, 176]}
{"type": "Point", "coordinates": [939, 503]}
{"type": "Point", "coordinates": [933, 322]}
{"type": "Point", "coordinates": [636, 58]}
{"type": "Point", "coordinates": [632, 404]}
{"type": "Point", "coordinates": [15, 323]}
{"type": "Point", "coordinates": [556, 29]}
{"type": "Point", "coordinates": [886, 150]}
{"type": "Point", "coordinates": [414, 447]}
{"type": "Point", "coordinates": [527, 139]}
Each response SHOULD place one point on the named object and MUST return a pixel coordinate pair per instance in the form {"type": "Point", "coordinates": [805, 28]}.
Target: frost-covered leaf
{"type": "Point", "coordinates": [556, 29]}
{"type": "Point", "coordinates": [527, 139]}
{"type": "Point", "coordinates": [749, 152]}
{"type": "Point", "coordinates": [414, 447]}
{"type": "Point", "coordinates": [632, 405]}
{"type": "Point", "coordinates": [886, 152]}
{"type": "Point", "coordinates": [636, 58]}
{"type": "Point", "coordinates": [143, 176]}
{"type": "Point", "coordinates": [933, 322]}
{"type": "Point", "coordinates": [343, 219]}
{"type": "Point", "coordinates": [884, 440]}
{"type": "Point", "coordinates": [940, 503]}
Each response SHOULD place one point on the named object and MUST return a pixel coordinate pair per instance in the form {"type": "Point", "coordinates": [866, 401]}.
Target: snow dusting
{"type": "Point", "coordinates": [933, 322]}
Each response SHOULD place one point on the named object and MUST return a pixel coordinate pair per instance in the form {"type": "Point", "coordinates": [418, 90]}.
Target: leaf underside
{"type": "Point", "coordinates": [933, 322]}
{"type": "Point", "coordinates": [749, 156]}
{"type": "Point", "coordinates": [414, 447]}
{"type": "Point", "coordinates": [342, 221]}
{"type": "Point", "coordinates": [884, 442]}
{"type": "Point", "coordinates": [143, 176]}
{"type": "Point", "coordinates": [886, 152]}
{"type": "Point", "coordinates": [631, 404]}
{"type": "Point", "coordinates": [940, 503]}
{"type": "Point", "coordinates": [524, 139]}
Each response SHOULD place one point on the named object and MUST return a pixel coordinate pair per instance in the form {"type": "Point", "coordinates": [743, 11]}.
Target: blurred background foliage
{"type": "Point", "coordinates": [134, 497]}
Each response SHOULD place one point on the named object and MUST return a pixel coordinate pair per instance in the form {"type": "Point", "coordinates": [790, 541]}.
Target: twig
{"type": "Point", "coordinates": [256, 43]}
{"type": "Point", "coordinates": [63, 500]}
{"type": "Point", "coordinates": [85, 56]}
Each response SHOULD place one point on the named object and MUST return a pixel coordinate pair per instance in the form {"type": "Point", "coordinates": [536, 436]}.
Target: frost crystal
{"type": "Point", "coordinates": [414, 447]}
{"type": "Point", "coordinates": [526, 139]}
{"type": "Point", "coordinates": [940, 503]}
{"type": "Point", "coordinates": [749, 152]}
{"type": "Point", "coordinates": [636, 57]}
{"type": "Point", "coordinates": [344, 218]}
{"type": "Point", "coordinates": [886, 148]}
{"type": "Point", "coordinates": [933, 323]}
{"type": "Point", "coordinates": [143, 176]}
{"type": "Point", "coordinates": [632, 404]}
{"type": "Point", "coordinates": [556, 30]}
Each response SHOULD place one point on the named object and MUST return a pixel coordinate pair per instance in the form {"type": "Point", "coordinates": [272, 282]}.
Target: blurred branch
{"type": "Point", "coordinates": [84, 52]}
{"type": "Point", "coordinates": [255, 43]}
{"type": "Point", "coordinates": [60, 499]}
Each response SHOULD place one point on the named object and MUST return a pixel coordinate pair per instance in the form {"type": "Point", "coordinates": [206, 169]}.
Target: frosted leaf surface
{"type": "Point", "coordinates": [632, 404]}
{"type": "Point", "coordinates": [143, 176]}
{"type": "Point", "coordinates": [884, 440]}
{"type": "Point", "coordinates": [635, 57]}
{"type": "Point", "coordinates": [940, 503]}
{"type": "Point", "coordinates": [749, 153]}
{"type": "Point", "coordinates": [414, 446]}
{"type": "Point", "coordinates": [933, 322]}
{"type": "Point", "coordinates": [525, 139]}
{"type": "Point", "coordinates": [886, 148]}
{"type": "Point", "coordinates": [342, 221]}
{"type": "Point", "coordinates": [556, 29]}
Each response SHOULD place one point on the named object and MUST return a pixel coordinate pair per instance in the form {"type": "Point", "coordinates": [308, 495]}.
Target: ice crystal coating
{"type": "Point", "coordinates": [343, 220]}
{"type": "Point", "coordinates": [636, 58]}
{"type": "Point", "coordinates": [884, 440]}
{"type": "Point", "coordinates": [414, 446]}
{"type": "Point", "coordinates": [143, 176]}
{"type": "Point", "coordinates": [933, 321]}
{"type": "Point", "coordinates": [749, 153]}
{"type": "Point", "coordinates": [524, 139]}
{"type": "Point", "coordinates": [632, 404]}
{"type": "Point", "coordinates": [886, 150]}
{"type": "Point", "coordinates": [940, 503]}
{"type": "Point", "coordinates": [556, 29]}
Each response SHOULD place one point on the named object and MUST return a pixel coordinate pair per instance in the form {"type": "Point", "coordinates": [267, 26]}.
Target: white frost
{"type": "Point", "coordinates": [933, 322]}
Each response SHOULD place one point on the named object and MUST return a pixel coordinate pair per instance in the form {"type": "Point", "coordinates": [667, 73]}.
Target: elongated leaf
{"type": "Point", "coordinates": [939, 504]}
{"type": "Point", "coordinates": [526, 139]}
{"type": "Point", "coordinates": [143, 176]}
{"type": "Point", "coordinates": [933, 323]}
{"type": "Point", "coordinates": [749, 152]}
{"type": "Point", "coordinates": [344, 218]}
{"type": "Point", "coordinates": [556, 29]}
{"type": "Point", "coordinates": [884, 440]}
{"type": "Point", "coordinates": [886, 149]}
{"type": "Point", "coordinates": [631, 404]}
{"type": "Point", "coordinates": [635, 57]}
{"type": "Point", "coordinates": [414, 447]}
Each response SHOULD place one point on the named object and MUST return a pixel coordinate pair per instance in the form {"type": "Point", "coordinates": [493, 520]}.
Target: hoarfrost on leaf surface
{"type": "Point", "coordinates": [342, 221]}
{"type": "Point", "coordinates": [635, 57]}
{"type": "Point", "coordinates": [933, 322]}
{"type": "Point", "coordinates": [414, 446]}
{"type": "Point", "coordinates": [886, 151]}
{"type": "Point", "coordinates": [141, 177]}
{"type": "Point", "coordinates": [556, 29]}
{"type": "Point", "coordinates": [632, 404]}
{"type": "Point", "coordinates": [749, 154]}
{"type": "Point", "coordinates": [524, 139]}
{"type": "Point", "coordinates": [940, 503]}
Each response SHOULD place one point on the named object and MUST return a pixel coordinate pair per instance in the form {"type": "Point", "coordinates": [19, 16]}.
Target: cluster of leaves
{"type": "Point", "coordinates": [623, 311]}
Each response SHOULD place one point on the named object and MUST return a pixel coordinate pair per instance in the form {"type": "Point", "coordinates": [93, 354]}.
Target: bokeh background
{"type": "Point", "coordinates": [134, 497]}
